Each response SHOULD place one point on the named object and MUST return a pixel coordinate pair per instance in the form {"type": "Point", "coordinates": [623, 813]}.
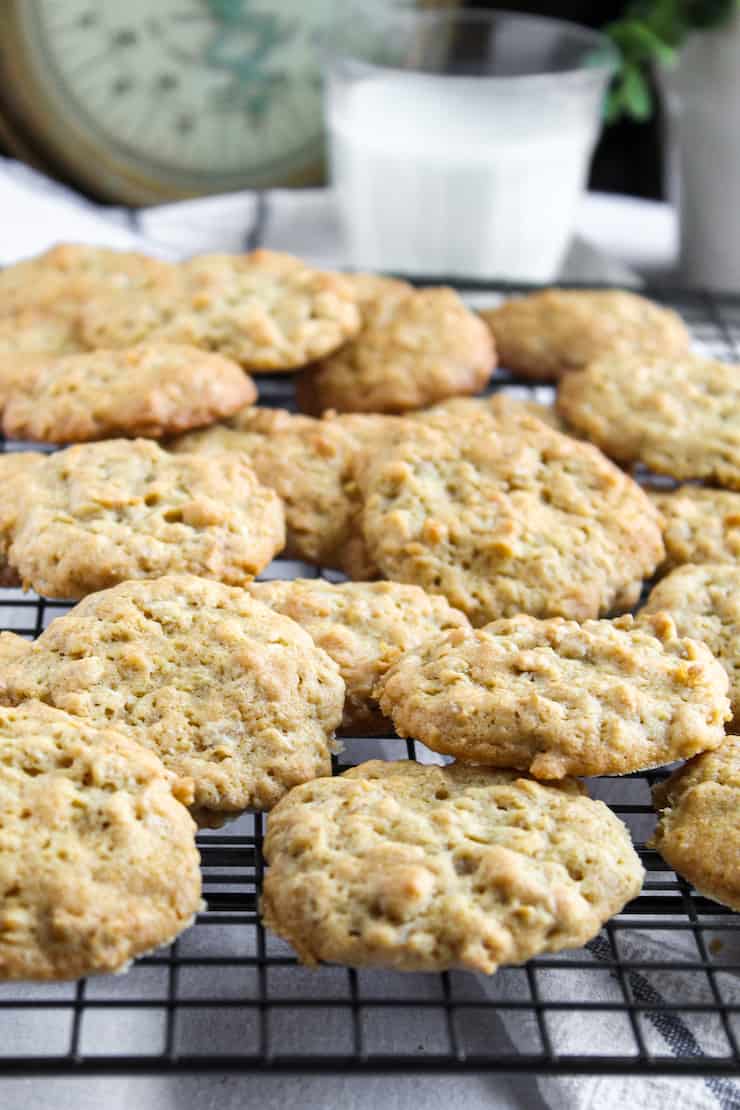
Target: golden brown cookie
{"type": "Point", "coordinates": [704, 603]}
{"type": "Point", "coordinates": [548, 414]}
{"type": "Point", "coordinates": [266, 310]}
{"type": "Point", "coordinates": [698, 831]}
{"type": "Point", "coordinates": [377, 298]}
{"type": "Point", "coordinates": [98, 862]}
{"type": "Point", "coordinates": [375, 434]}
{"type": "Point", "coordinates": [699, 525]}
{"type": "Point", "coordinates": [424, 868]}
{"type": "Point", "coordinates": [679, 416]}
{"type": "Point", "coordinates": [376, 292]}
{"type": "Point", "coordinates": [225, 691]}
{"type": "Point", "coordinates": [12, 647]}
{"type": "Point", "coordinates": [558, 698]}
{"type": "Point", "coordinates": [365, 627]}
{"type": "Point", "coordinates": [25, 336]}
{"type": "Point", "coordinates": [531, 521]}
{"type": "Point", "coordinates": [13, 465]}
{"type": "Point", "coordinates": [29, 331]}
{"type": "Point", "coordinates": [305, 461]}
{"type": "Point", "coordinates": [545, 335]}
{"type": "Point", "coordinates": [310, 465]}
{"type": "Point", "coordinates": [96, 514]}
{"type": "Point", "coordinates": [155, 389]}
{"type": "Point", "coordinates": [507, 411]}
{"type": "Point", "coordinates": [66, 276]}
{"type": "Point", "coordinates": [415, 347]}
{"type": "Point", "coordinates": [16, 371]}
{"type": "Point", "coordinates": [371, 434]}
{"type": "Point", "coordinates": [28, 337]}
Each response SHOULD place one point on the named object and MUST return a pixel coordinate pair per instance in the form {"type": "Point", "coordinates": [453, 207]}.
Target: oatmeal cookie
{"type": "Point", "coordinates": [310, 465]}
{"type": "Point", "coordinates": [224, 690]}
{"type": "Point", "coordinates": [155, 389]}
{"type": "Point", "coordinates": [98, 862]}
{"type": "Point", "coordinates": [364, 627]}
{"type": "Point", "coordinates": [704, 603]}
{"type": "Point", "coordinates": [66, 276]}
{"type": "Point", "coordinates": [29, 337]}
{"type": "Point", "coordinates": [305, 461]}
{"type": "Point", "coordinates": [424, 868]}
{"type": "Point", "coordinates": [33, 331]}
{"type": "Point", "coordinates": [12, 647]}
{"type": "Point", "coordinates": [699, 525]}
{"type": "Point", "coordinates": [678, 416]}
{"type": "Point", "coordinates": [13, 465]}
{"type": "Point", "coordinates": [531, 521]}
{"type": "Point", "coordinates": [698, 831]}
{"type": "Point", "coordinates": [377, 298]}
{"type": "Point", "coordinates": [558, 698]}
{"type": "Point", "coordinates": [546, 334]}
{"type": "Point", "coordinates": [266, 310]}
{"type": "Point", "coordinates": [414, 348]}
{"type": "Point", "coordinates": [26, 337]}
{"type": "Point", "coordinates": [509, 412]}
{"type": "Point", "coordinates": [96, 514]}
{"type": "Point", "coordinates": [376, 292]}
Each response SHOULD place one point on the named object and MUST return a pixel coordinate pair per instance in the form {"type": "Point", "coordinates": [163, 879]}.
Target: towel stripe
{"type": "Point", "coordinates": [256, 233]}
{"type": "Point", "coordinates": [677, 1035]}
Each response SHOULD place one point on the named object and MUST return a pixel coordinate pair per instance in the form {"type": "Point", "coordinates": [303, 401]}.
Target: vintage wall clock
{"type": "Point", "coordinates": [145, 100]}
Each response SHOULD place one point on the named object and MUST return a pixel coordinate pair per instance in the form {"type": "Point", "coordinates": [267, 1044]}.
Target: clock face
{"type": "Point", "coordinates": [210, 90]}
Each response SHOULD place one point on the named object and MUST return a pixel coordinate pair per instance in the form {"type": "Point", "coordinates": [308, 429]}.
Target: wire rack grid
{"type": "Point", "coordinates": [661, 981]}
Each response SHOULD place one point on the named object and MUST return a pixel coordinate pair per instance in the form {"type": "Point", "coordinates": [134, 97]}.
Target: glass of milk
{"type": "Point", "coordinates": [460, 140]}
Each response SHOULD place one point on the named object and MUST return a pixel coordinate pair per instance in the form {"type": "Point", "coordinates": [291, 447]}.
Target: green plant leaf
{"type": "Point", "coordinates": [629, 95]}
{"type": "Point", "coordinates": [653, 31]}
{"type": "Point", "coordinates": [639, 42]}
{"type": "Point", "coordinates": [636, 90]}
{"type": "Point", "coordinates": [614, 106]}
{"type": "Point", "coordinates": [665, 18]}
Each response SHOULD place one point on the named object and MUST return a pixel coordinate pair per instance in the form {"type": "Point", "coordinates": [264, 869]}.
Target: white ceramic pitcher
{"type": "Point", "coordinates": [702, 98]}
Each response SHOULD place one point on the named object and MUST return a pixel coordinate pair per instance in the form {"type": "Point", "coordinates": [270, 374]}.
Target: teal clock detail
{"type": "Point", "coordinates": [170, 97]}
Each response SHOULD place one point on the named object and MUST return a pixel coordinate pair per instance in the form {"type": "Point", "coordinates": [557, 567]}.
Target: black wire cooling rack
{"type": "Point", "coordinates": [659, 986]}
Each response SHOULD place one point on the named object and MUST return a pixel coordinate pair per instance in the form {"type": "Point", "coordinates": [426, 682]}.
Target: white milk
{"type": "Point", "coordinates": [452, 176]}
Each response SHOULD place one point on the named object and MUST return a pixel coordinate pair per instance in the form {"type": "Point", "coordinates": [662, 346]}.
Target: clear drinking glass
{"type": "Point", "coordinates": [460, 140]}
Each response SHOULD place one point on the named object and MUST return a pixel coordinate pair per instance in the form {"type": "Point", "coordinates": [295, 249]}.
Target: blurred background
{"type": "Point", "coordinates": [629, 155]}
{"type": "Point", "coordinates": [90, 88]}
{"type": "Point", "coordinates": [138, 103]}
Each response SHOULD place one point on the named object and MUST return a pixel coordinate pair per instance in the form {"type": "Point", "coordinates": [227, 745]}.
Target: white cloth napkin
{"type": "Point", "coordinates": [35, 214]}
